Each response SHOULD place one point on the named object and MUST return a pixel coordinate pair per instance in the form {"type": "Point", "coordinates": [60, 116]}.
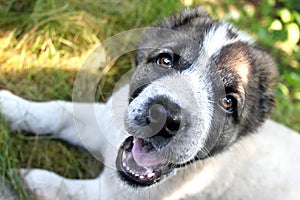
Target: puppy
{"type": "Point", "coordinates": [194, 123]}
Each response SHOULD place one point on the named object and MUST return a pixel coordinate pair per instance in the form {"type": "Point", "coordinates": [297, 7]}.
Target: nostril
{"type": "Point", "coordinates": [173, 124]}
{"type": "Point", "coordinates": [157, 113]}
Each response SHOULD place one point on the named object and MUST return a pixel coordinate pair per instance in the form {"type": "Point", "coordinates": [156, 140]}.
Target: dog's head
{"type": "Point", "coordinates": [200, 84]}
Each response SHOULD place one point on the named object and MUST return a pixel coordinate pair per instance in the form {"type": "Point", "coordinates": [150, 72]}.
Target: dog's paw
{"type": "Point", "coordinates": [12, 108]}
{"type": "Point", "coordinates": [8, 101]}
{"type": "Point", "coordinates": [43, 184]}
{"type": "Point", "coordinates": [6, 95]}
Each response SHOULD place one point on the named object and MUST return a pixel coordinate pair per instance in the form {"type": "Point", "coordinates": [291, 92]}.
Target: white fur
{"type": "Point", "coordinates": [216, 38]}
{"type": "Point", "coordinates": [263, 166]}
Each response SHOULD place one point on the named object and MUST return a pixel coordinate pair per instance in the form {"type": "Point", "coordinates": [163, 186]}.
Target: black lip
{"type": "Point", "coordinates": [131, 180]}
{"type": "Point", "coordinates": [159, 171]}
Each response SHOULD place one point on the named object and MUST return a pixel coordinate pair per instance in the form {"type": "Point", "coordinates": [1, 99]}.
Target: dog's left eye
{"type": "Point", "coordinates": [165, 60]}
{"type": "Point", "coordinates": [228, 103]}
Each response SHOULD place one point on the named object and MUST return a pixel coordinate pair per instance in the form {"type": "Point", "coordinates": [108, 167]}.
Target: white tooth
{"type": "Point", "coordinates": [123, 155]}
{"type": "Point", "coordinates": [150, 175]}
{"type": "Point", "coordinates": [142, 177]}
{"type": "Point", "coordinates": [124, 164]}
{"type": "Point", "coordinates": [127, 168]}
{"type": "Point", "coordinates": [137, 175]}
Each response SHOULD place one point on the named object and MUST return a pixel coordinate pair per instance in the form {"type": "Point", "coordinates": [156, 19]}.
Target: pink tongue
{"type": "Point", "coordinates": [143, 156]}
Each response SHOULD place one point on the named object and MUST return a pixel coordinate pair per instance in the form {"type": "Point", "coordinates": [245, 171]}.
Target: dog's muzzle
{"type": "Point", "coordinates": [153, 119]}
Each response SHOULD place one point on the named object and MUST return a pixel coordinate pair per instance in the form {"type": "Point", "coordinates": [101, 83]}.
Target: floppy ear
{"type": "Point", "coordinates": [252, 73]}
{"type": "Point", "coordinates": [185, 17]}
{"type": "Point", "coordinates": [267, 78]}
{"type": "Point", "coordinates": [260, 99]}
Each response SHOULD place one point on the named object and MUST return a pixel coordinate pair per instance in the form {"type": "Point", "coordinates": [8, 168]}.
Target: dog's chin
{"type": "Point", "coordinates": [140, 164]}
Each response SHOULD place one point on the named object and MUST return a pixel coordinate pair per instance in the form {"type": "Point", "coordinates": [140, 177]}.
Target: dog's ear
{"type": "Point", "coordinates": [187, 16]}
{"type": "Point", "coordinates": [252, 73]}
{"type": "Point", "coordinates": [267, 79]}
{"type": "Point", "coordinates": [260, 97]}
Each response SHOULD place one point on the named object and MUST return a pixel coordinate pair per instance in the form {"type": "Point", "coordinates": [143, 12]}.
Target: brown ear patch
{"type": "Point", "coordinates": [234, 63]}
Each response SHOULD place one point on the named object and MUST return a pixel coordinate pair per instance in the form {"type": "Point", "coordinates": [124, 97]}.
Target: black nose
{"type": "Point", "coordinates": [166, 118]}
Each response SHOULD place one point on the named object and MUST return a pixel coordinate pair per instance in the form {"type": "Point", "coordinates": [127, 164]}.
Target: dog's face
{"type": "Point", "coordinates": [199, 86]}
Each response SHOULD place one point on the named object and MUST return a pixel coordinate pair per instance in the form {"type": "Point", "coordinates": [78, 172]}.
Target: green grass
{"type": "Point", "coordinates": [45, 42]}
{"type": "Point", "coordinates": [9, 162]}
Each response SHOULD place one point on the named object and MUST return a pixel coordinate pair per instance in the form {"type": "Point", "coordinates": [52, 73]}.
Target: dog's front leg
{"type": "Point", "coordinates": [47, 185]}
{"type": "Point", "coordinates": [76, 123]}
{"type": "Point", "coordinates": [89, 125]}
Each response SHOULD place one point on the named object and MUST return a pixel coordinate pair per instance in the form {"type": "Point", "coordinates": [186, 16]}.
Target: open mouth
{"type": "Point", "coordinates": [140, 163]}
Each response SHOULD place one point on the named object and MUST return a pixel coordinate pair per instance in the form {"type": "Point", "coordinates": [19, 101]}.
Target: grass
{"type": "Point", "coordinates": [45, 42]}
{"type": "Point", "coordinates": [9, 163]}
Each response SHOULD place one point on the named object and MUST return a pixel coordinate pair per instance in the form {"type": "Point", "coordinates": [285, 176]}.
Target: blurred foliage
{"type": "Point", "coordinates": [44, 42]}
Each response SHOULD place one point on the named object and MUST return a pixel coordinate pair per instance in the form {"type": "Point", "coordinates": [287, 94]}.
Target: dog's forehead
{"type": "Point", "coordinates": [212, 42]}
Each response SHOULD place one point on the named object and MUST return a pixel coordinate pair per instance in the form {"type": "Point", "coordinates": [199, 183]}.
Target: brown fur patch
{"type": "Point", "coordinates": [234, 57]}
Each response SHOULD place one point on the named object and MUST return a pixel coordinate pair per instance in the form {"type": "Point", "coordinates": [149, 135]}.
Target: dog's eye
{"type": "Point", "coordinates": [165, 60]}
{"type": "Point", "coordinates": [228, 103]}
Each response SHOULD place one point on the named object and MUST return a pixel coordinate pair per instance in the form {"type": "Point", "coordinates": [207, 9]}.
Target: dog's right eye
{"type": "Point", "coordinates": [165, 60]}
